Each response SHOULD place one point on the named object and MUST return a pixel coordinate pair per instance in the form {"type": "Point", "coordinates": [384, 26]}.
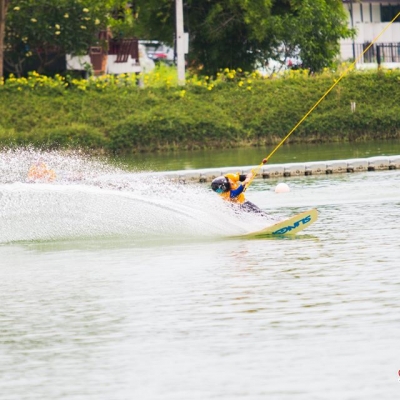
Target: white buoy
{"type": "Point", "coordinates": [282, 188]}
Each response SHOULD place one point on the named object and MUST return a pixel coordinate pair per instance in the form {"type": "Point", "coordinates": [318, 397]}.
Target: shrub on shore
{"type": "Point", "coordinates": [235, 108]}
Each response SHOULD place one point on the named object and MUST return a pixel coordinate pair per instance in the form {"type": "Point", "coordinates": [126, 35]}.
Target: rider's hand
{"type": "Point", "coordinates": [265, 160]}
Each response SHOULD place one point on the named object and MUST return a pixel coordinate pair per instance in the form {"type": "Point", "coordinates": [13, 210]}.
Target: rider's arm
{"type": "Point", "coordinates": [235, 192]}
{"type": "Point", "coordinates": [242, 178]}
{"type": "Point", "coordinates": [246, 178]}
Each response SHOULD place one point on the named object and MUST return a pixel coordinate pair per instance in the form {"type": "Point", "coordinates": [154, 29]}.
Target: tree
{"type": "Point", "coordinates": [312, 30]}
{"type": "Point", "coordinates": [242, 33]}
{"type": "Point", "coordinates": [3, 12]}
{"type": "Point", "coordinates": [47, 30]}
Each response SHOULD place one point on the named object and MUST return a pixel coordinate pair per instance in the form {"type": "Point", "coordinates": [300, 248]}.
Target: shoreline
{"type": "Point", "coordinates": [120, 120]}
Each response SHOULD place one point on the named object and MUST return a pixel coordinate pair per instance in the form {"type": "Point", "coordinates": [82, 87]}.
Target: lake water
{"type": "Point", "coordinates": [114, 285]}
{"type": "Point", "coordinates": [292, 153]}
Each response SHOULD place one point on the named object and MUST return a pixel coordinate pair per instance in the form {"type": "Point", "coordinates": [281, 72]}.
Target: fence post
{"type": "Point", "coordinates": [378, 55]}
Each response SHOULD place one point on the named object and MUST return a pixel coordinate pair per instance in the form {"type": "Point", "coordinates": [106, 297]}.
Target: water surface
{"type": "Point", "coordinates": [214, 158]}
{"type": "Point", "coordinates": [114, 286]}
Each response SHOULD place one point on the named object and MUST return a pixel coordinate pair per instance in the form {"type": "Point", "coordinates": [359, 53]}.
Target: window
{"type": "Point", "coordinates": [388, 12]}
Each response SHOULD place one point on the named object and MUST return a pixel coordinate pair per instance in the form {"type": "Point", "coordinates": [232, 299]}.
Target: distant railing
{"type": "Point", "coordinates": [124, 48]}
{"type": "Point", "coordinates": [378, 53]}
{"type": "Point", "coordinates": [121, 47]}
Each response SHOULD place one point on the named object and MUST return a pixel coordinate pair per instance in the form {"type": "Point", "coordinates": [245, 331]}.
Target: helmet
{"type": "Point", "coordinates": [220, 184]}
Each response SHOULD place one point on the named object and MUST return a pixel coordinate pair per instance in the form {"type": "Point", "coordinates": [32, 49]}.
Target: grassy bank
{"type": "Point", "coordinates": [114, 115]}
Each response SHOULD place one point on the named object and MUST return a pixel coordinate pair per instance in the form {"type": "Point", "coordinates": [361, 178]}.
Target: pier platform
{"type": "Point", "coordinates": [268, 171]}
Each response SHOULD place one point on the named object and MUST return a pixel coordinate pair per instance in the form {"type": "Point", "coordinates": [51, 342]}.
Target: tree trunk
{"type": "Point", "coordinates": [3, 11]}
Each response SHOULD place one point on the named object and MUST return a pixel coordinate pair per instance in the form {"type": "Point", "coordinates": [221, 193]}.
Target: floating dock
{"type": "Point", "coordinates": [268, 171]}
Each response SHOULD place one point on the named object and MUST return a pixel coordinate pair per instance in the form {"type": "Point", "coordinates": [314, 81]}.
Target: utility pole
{"type": "Point", "coordinates": [180, 50]}
{"type": "Point", "coordinates": [352, 26]}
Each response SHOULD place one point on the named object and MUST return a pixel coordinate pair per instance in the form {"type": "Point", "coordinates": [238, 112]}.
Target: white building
{"type": "Point", "coordinates": [370, 18]}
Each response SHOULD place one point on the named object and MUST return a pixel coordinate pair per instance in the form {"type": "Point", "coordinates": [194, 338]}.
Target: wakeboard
{"type": "Point", "coordinates": [289, 226]}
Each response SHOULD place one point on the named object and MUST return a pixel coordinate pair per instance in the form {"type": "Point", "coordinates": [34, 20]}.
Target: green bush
{"type": "Point", "coordinates": [235, 109]}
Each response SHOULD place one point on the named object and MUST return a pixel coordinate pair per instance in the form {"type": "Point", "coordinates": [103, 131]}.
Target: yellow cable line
{"type": "Point", "coordinates": [255, 170]}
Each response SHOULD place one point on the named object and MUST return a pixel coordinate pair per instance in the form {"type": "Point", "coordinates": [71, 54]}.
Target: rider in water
{"type": "Point", "coordinates": [231, 188]}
